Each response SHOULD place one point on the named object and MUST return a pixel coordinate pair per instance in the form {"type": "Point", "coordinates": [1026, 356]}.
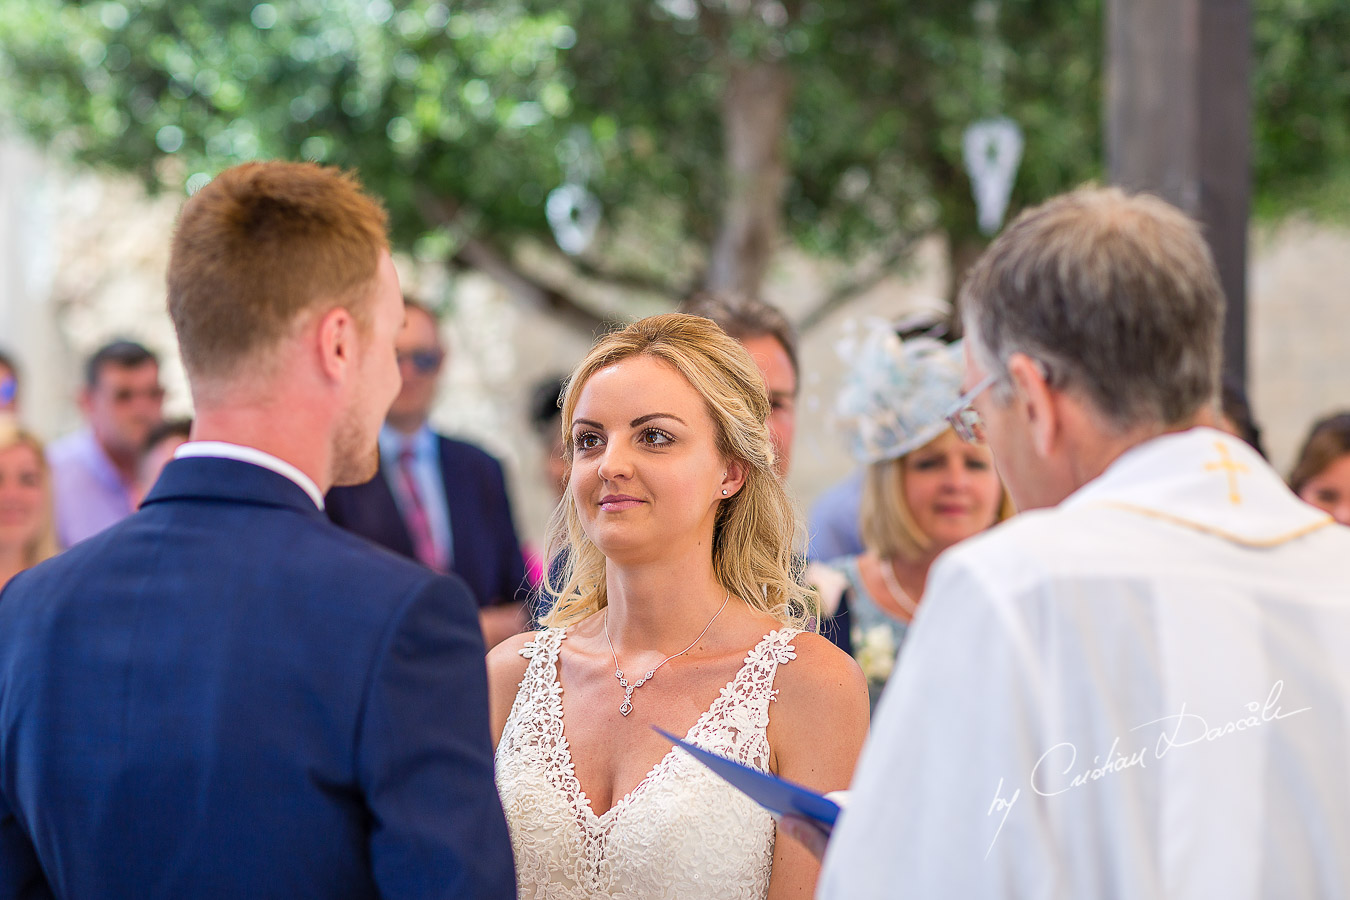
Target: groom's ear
{"type": "Point", "coordinates": [335, 344]}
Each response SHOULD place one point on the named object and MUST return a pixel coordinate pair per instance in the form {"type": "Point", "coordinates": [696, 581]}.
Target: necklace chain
{"type": "Point", "coordinates": [902, 599]}
{"type": "Point", "coordinates": [627, 705]}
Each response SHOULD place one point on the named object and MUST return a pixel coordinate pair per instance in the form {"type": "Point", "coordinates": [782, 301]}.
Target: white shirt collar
{"type": "Point", "coordinates": [422, 442]}
{"type": "Point", "coordinates": [223, 450]}
{"type": "Point", "coordinates": [1208, 480]}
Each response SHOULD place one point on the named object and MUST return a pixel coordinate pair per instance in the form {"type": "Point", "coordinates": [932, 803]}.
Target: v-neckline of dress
{"type": "Point", "coordinates": [581, 800]}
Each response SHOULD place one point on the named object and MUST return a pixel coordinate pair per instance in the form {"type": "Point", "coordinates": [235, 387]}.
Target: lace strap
{"type": "Point", "coordinates": [736, 725]}
{"type": "Point", "coordinates": [762, 662]}
{"type": "Point", "coordinates": [544, 648]}
{"type": "Point", "coordinates": [536, 695]}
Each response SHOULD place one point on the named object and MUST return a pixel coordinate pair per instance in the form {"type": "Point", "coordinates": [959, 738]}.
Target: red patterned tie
{"type": "Point", "coordinates": [415, 515]}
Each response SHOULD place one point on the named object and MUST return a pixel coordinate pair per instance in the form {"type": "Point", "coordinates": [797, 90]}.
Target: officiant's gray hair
{"type": "Point", "coordinates": [1116, 294]}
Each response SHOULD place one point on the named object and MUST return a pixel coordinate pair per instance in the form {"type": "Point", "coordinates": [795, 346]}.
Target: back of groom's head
{"type": "Point", "coordinates": [1116, 294]}
{"type": "Point", "coordinates": [261, 245]}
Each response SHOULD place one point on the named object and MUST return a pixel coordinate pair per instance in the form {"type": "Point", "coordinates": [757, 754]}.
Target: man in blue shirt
{"type": "Point", "coordinates": [440, 501]}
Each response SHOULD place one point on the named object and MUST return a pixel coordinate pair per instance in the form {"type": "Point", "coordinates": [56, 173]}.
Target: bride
{"type": "Point", "coordinates": [677, 608]}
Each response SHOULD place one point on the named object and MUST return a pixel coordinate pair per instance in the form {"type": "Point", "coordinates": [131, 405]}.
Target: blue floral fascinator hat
{"type": "Point", "coordinates": [897, 393]}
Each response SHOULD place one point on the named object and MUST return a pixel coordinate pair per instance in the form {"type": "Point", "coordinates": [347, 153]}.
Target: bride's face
{"type": "Point", "coordinates": [646, 473]}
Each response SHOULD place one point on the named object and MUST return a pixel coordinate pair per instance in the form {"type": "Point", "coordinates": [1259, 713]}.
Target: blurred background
{"type": "Point", "coordinates": [553, 168]}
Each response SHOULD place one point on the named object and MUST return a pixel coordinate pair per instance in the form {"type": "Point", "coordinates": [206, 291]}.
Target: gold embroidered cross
{"type": "Point", "coordinates": [1232, 468]}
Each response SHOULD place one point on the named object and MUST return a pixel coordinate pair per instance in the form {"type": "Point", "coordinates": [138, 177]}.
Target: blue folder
{"type": "Point", "coordinates": [769, 791]}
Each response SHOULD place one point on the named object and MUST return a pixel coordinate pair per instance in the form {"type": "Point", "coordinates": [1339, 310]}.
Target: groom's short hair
{"type": "Point", "coordinates": [258, 246]}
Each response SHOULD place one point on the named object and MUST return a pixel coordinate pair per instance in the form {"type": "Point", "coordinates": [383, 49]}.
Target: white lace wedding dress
{"type": "Point", "coordinates": [681, 833]}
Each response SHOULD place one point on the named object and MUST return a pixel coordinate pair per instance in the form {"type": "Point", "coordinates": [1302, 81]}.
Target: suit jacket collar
{"type": "Point", "coordinates": [229, 480]}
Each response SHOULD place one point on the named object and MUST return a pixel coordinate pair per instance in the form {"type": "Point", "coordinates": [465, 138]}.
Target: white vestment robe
{"type": "Point", "coordinates": [1142, 692]}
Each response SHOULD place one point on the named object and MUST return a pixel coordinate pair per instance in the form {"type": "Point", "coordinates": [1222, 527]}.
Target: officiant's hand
{"type": "Point", "coordinates": [807, 832]}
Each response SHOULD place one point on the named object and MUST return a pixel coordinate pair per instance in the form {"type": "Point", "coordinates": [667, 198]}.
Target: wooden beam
{"type": "Point", "coordinates": [1178, 124]}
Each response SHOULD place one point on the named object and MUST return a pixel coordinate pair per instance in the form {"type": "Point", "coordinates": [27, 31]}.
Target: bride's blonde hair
{"type": "Point", "coordinates": [755, 529]}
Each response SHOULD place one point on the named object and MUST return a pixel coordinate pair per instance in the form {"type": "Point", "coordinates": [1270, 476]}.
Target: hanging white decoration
{"type": "Point", "coordinates": [993, 151]}
{"type": "Point", "coordinates": [574, 214]}
{"type": "Point", "coordinates": [572, 211]}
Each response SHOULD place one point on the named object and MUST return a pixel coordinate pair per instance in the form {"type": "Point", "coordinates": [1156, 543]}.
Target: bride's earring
{"type": "Point", "coordinates": [724, 490]}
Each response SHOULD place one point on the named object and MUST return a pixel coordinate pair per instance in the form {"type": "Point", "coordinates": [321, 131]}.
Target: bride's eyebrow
{"type": "Point", "coordinates": [590, 423]}
{"type": "Point", "coordinates": [647, 418]}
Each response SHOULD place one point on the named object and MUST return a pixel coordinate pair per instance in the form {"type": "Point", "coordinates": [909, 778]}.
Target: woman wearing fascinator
{"type": "Point", "coordinates": [925, 489]}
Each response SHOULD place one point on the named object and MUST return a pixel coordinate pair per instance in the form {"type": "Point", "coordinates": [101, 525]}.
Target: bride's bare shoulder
{"type": "Point", "coordinates": [820, 673]}
{"type": "Point", "coordinates": [819, 719]}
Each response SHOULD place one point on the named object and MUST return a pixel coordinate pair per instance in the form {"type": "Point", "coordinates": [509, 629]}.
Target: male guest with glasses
{"type": "Point", "coordinates": [94, 470]}
{"type": "Point", "coordinates": [440, 501]}
{"type": "Point", "coordinates": [1139, 686]}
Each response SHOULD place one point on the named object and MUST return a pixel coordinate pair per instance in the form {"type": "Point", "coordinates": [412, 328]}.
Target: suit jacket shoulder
{"type": "Point", "coordinates": [487, 552]}
{"type": "Point", "coordinates": [226, 669]}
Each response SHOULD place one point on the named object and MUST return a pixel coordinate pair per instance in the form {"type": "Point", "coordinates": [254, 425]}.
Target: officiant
{"type": "Point", "coordinates": [1138, 687]}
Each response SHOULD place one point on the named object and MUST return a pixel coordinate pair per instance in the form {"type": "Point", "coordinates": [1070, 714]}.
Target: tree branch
{"type": "Point", "coordinates": [477, 254]}
{"type": "Point", "coordinates": [846, 292]}
{"type": "Point", "coordinates": [631, 280]}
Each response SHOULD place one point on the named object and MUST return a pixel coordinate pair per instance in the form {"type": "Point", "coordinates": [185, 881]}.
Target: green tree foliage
{"type": "Point", "coordinates": [465, 115]}
{"type": "Point", "coordinates": [1301, 130]}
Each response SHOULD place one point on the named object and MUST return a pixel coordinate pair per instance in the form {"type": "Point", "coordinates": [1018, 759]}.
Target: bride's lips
{"type": "Point", "coordinates": [617, 502]}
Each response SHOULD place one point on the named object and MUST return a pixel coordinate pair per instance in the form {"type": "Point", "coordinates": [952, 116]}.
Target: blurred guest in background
{"type": "Point", "coordinates": [1322, 474]}
{"type": "Point", "coordinates": [166, 437]}
{"type": "Point", "coordinates": [26, 533]}
{"type": "Point", "coordinates": [833, 523]}
{"type": "Point", "coordinates": [771, 340]}
{"type": "Point", "coordinates": [924, 490]}
{"type": "Point", "coordinates": [440, 501]}
{"type": "Point", "coordinates": [9, 385]}
{"type": "Point", "coordinates": [546, 420]}
{"type": "Point", "coordinates": [94, 470]}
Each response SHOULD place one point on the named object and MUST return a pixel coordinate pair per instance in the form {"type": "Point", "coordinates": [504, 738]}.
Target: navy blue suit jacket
{"type": "Point", "coordinates": [225, 696]}
{"type": "Point", "coordinates": [486, 550]}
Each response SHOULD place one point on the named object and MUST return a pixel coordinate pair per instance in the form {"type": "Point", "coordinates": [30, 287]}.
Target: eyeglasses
{"type": "Point", "coordinates": [965, 421]}
{"type": "Point", "coordinates": [424, 362]}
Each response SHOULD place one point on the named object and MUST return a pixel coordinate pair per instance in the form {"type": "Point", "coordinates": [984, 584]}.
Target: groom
{"type": "Point", "coordinates": [225, 695]}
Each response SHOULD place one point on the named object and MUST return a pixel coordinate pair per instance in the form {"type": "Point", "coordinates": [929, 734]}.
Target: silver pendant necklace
{"type": "Point", "coordinates": [893, 585]}
{"type": "Point", "coordinates": [627, 705]}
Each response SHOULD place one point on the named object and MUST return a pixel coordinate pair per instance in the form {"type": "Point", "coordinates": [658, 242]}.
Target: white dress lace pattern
{"type": "Point", "coordinates": [681, 833]}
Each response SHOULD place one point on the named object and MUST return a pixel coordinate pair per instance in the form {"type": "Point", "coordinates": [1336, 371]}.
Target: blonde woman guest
{"type": "Point", "coordinates": [27, 534]}
{"type": "Point", "coordinates": [924, 490]}
{"type": "Point", "coordinates": [678, 609]}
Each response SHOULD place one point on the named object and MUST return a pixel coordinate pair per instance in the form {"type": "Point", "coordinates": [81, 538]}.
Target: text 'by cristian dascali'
{"type": "Point", "coordinates": [1059, 770]}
